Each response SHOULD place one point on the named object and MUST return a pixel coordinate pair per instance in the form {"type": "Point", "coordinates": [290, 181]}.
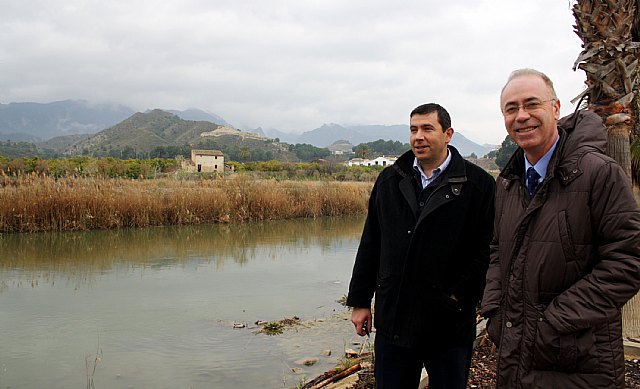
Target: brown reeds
{"type": "Point", "coordinates": [31, 203]}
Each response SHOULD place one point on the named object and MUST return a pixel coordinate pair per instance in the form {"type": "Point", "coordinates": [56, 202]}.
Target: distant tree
{"type": "Point", "coordinates": [491, 154]}
{"type": "Point", "coordinates": [473, 156]}
{"type": "Point", "coordinates": [133, 168]}
{"type": "Point", "coordinates": [505, 152]}
{"type": "Point", "coordinates": [362, 150]}
{"type": "Point", "coordinates": [128, 152]}
{"type": "Point", "coordinates": [307, 152]}
{"type": "Point", "coordinates": [381, 147]}
{"type": "Point", "coordinates": [11, 149]}
{"type": "Point", "coordinates": [158, 152]}
{"type": "Point", "coordinates": [258, 155]}
{"type": "Point", "coordinates": [208, 144]}
{"type": "Point", "coordinates": [244, 154]}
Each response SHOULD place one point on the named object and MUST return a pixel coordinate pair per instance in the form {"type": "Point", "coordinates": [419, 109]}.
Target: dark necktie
{"type": "Point", "coordinates": [532, 181]}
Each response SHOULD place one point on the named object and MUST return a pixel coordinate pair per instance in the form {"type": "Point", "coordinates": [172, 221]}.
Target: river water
{"type": "Point", "coordinates": [156, 307]}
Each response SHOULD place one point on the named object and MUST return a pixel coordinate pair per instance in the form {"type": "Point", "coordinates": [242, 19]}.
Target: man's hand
{"type": "Point", "coordinates": [361, 319]}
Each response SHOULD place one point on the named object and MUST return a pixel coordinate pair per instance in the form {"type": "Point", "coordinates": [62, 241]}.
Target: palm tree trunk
{"type": "Point", "coordinates": [610, 61]}
{"type": "Point", "coordinates": [631, 318]}
{"type": "Point", "coordinates": [610, 31]}
{"type": "Point", "coordinates": [631, 310]}
{"type": "Point", "coordinates": [618, 142]}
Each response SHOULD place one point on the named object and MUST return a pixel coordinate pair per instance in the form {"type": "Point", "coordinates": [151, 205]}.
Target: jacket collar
{"type": "Point", "coordinates": [455, 172]}
{"type": "Point", "coordinates": [454, 176]}
{"type": "Point", "coordinates": [514, 170]}
{"type": "Point", "coordinates": [580, 132]}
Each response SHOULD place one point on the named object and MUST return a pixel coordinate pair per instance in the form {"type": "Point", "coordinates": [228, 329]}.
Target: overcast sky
{"type": "Point", "coordinates": [292, 65]}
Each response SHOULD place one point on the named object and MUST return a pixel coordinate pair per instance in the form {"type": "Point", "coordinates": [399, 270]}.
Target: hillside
{"type": "Point", "coordinates": [61, 143]}
{"type": "Point", "coordinates": [198, 115]}
{"type": "Point", "coordinates": [143, 133]}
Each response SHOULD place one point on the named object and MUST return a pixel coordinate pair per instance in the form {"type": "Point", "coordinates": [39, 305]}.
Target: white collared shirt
{"type": "Point", "coordinates": [435, 173]}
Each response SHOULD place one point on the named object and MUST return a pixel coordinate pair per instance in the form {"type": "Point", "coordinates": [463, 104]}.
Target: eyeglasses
{"type": "Point", "coordinates": [529, 106]}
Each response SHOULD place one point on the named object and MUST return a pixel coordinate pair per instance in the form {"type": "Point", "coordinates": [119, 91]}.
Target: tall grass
{"type": "Point", "coordinates": [32, 203]}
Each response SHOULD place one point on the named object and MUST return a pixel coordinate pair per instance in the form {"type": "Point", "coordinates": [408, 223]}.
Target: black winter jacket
{"type": "Point", "coordinates": [414, 259]}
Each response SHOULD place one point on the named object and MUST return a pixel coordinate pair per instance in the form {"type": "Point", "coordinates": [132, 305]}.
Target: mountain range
{"type": "Point", "coordinates": [370, 133]}
{"type": "Point", "coordinates": [81, 124]}
{"type": "Point", "coordinates": [33, 122]}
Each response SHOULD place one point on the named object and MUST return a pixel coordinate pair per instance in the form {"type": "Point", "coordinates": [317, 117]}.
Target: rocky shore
{"type": "Point", "coordinates": [355, 365]}
{"type": "Point", "coordinates": [482, 374]}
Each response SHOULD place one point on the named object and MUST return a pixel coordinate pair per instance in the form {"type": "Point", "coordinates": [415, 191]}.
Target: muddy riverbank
{"type": "Point", "coordinates": [482, 374]}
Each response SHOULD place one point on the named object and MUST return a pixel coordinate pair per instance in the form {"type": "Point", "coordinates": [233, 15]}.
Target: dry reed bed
{"type": "Point", "coordinates": [44, 204]}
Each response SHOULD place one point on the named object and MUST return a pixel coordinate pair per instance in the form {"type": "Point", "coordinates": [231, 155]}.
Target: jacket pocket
{"type": "Point", "coordinates": [447, 305]}
{"type": "Point", "coordinates": [444, 315]}
{"type": "Point", "coordinates": [569, 353]}
{"type": "Point", "coordinates": [386, 296]}
{"type": "Point", "coordinates": [565, 237]}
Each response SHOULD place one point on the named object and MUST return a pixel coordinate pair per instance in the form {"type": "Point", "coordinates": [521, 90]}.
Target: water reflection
{"type": "Point", "coordinates": [160, 304]}
{"type": "Point", "coordinates": [79, 255]}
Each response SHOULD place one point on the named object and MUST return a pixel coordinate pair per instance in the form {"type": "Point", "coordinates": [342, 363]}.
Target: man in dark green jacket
{"type": "Point", "coordinates": [424, 252]}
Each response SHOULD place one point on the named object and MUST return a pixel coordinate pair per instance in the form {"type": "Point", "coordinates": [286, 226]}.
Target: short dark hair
{"type": "Point", "coordinates": [443, 116]}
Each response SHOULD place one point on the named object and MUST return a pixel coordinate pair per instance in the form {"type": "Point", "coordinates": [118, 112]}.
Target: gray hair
{"type": "Point", "coordinates": [531, 72]}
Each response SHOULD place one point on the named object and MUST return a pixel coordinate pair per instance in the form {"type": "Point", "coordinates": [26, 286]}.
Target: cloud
{"type": "Point", "coordinates": [287, 64]}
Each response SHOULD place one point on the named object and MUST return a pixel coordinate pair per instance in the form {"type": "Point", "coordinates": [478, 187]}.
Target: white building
{"type": "Point", "coordinates": [380, 161]}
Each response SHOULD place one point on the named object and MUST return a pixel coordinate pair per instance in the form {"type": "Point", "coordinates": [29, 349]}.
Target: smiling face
{"type": "Point", "coordinates": [429, 141]}
{"type": "Point", "coordinates": [531, 113]}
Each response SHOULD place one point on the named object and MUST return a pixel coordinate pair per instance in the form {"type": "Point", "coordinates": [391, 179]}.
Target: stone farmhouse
{"type": "Point", "coordinates": [206, 161]}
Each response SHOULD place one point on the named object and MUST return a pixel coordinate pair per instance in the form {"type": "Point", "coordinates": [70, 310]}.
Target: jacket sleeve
{"type": "Point", "coordinates": [493, 287]}
{"type": "Point", "coordinates": [365, 269]}
{"type": "Point", "coordinates": [472, 282]}
{"type": "Point", "coordinates": [615, 278]}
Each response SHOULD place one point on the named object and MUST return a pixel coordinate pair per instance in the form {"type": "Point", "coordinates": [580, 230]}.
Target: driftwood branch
{"type": "Point", "coordinates": [324, 376]}
{"type": "Point", "coordinates": [336, 377]}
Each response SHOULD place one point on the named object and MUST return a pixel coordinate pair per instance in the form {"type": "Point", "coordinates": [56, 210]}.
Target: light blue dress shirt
{"type": "Point", "coordinates": [541, 166]}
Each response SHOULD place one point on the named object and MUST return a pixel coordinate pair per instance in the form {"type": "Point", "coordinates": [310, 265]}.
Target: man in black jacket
{"type": "Point", "coordinates": [424, 252]}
